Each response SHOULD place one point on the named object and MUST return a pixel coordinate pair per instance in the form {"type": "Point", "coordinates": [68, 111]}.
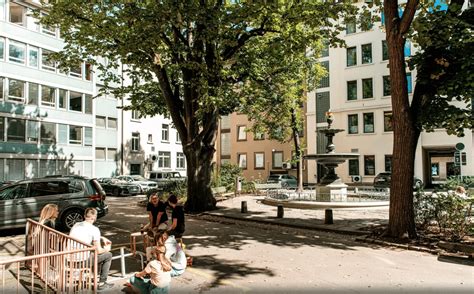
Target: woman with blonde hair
{"type": "Point", "coordinates": [159, 272]}
{"type": "Point", "coordinates": [48, 215]}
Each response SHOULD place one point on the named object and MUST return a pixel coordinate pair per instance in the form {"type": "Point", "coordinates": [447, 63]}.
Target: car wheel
{"type": "Point", "coordinates": [116, 192]}
{"type": "Point", "coordinates": [284, 185]}
{"type": "Point", "coordinates": [71, 217]}
{"type": "Point", "coordinates": [418, 185]}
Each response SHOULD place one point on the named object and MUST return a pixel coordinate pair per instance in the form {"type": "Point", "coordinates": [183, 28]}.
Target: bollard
{"type": "Point", "coordinates": [280, 211]}
{"type": "Point", "coordinates": [243, 208]}
{"type": "Point", "coordinates": [328, 217]}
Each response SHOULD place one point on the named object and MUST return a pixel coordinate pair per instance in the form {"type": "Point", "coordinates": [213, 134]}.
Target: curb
{"type": "Point", "coordinates": [401, 246]}
{"type": "Point", "coordinates": [297, 226]}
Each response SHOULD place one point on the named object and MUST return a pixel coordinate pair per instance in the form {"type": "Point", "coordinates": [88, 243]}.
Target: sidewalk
{"type": "Point", "coordinates": [356, 221]}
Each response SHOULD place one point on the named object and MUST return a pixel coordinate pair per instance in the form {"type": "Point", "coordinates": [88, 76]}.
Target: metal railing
{"type": "Point", "coordinates": [54, 261]}
{"type": "Point", "coordinates": [357, 195]}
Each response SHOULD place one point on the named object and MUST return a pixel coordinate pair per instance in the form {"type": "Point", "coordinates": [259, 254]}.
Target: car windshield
{"type": "Point", "coordinates": [273, 178]}
{"type": "Point", "coordinates": [138, 178]}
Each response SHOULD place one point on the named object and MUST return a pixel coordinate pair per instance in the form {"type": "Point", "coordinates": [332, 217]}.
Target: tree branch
{"type": "Point", "coordinates": [408, 15]}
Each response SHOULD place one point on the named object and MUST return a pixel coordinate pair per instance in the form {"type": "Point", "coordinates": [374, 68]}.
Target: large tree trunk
{"type": "Point", "coordinates": [199, 172]}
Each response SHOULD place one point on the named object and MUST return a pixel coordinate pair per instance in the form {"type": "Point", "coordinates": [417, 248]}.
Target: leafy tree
{"type": "Point", "coordinates": [185, 58]}
{"type": "Point", "coordinates": [444, 67]}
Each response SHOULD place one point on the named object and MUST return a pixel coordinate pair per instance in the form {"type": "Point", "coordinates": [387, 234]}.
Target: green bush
{"type": "Point", "coordinates": [177, 188]}
{"type": "Point", "coordinates": [227, 175]}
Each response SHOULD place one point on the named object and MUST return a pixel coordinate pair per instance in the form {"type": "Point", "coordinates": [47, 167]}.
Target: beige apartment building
{"type": "Point", "coordinates": [255, 154]}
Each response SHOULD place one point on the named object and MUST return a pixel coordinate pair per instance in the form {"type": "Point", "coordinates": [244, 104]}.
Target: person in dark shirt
{"type": "Point", "coordinates": [48, 215]}
{"type": "Point", "coordinates": [156, 211]}
{"type": "Point", "coordinates": [177, 216]}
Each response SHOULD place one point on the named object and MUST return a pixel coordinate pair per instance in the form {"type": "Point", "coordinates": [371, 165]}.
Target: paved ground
{"type": "Point", "coordinates": [235, 256]}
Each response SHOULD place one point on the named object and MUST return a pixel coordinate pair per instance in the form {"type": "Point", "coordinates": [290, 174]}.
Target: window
{"type": "Point", "coordinates": [350, 27]}
{"type": "Point", "coordinates": [135, 141]}
{"type": "Point", "coordinates": [15, 130]}
{"type": "Point", "coordinates": [62, 134]}
{"type": "Point", "coordinates": [76, 71]}
{"type": "Point", "coordinates": [150, 138]}
{"type": "Point", "coordinates": [369, 165]}
{"type": "Point", "coordinates": [48, 96]}
{"type": "Point", "coordinates": [386, 85]}
{"type": "Point", "coordinates": [135, 169]}
{"type": "Point", "coordinates": [241, 133]}
{"type": "Point", "coordinates": [369, 122]}
{"type": "Point", "coordinates": [48, 133]}
{"type": "Point", "coordinates": [16, 90]}
{"type": "Point", "coordinates": [16, 52]}
{"type": "Point", "coordinates": [322, 106]}
{"type": "Point", "coordinates": [225, 144]}
{"type": "Point", "coordinates": [17, 14]}
{"type": "Point", "coordinates": [89, 73]}
{"type": "Point", "coordinates": [31, 131]}
{"type": "Point", "coordinates": [135, 115]}
{"type": "Point", "coordinates": [366, 53]}
{"type": "Point", "coordinates": [225, 122]}
{"type": "Point", "coordinates": [164, 159]}
{"type": "Point", "coordinates": [367, 88]}
{"type": "Point", "coordinates": [325, 49]}
{"type": "Point", "coordinates": [88, 104]}
{"type": "Point", "coordinates": [388, 163]}
{"type": "Point", "coordinates": [33, 93]}
{"type": "Point", "coordinates": [259, 136]}
{"type": "Point", "coordinates": [111, 154]}
{"type": "Point", "coordinates": [48, 30]}
{"type": "Point", "coordinates": [112, 123]}
{"type": "Point", "coordinates": [351, 56]}
{"type": "Point", "coordinates": [387, 121]}
{"type": "Point", "coordinates": [409, 83]}
{"type": "Point", "coordinates": [75, 135]}
{"type": "Point", "coordinates": [354, 167]}
{"type": "Point", "coordinates": [353, 123]}
{"type": "Point", "coordinates": [46, 61]}
{"type": "Point", "coordinates": [165, 132]}
{"type": "Point", "coordinates": [180, 160]}
{"type": "Point", "coordinates": [242, 160]}
{"type": "Point", "coordinates": [277, 159]}
{"type": "Point", "coordinates": [87, 136]}
{"type": "Point", "coordinates": [352, 90]}
{"type": "Point", "coordinates": [100, 153]}
{"type": "Point", "coordinates": [100, 121]}
{"type": "Point", "coordinates": [33, 55]}
{"type": "Point", "coordinates": [75, 101]}
{"type": "Point", "coordinates": [384, 50]}
{"type": "Point", "coordinates": [435, 169]}
{"type": "Point", "coordinates": [2, 48]}
{"type": "Point", "coordinates": [324, 82]}
{"type": "Point", "coordinates": [259, 160]}
{"type": "Point", "coordinates": [178, 138]}
{"type": "Point", "coordinates": [62, 98]}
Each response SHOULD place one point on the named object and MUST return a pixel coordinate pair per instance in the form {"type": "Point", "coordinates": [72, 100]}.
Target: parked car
{"type": "Point", "coordinates": [25, 199]}
{"type": "Point", "coordinates": [144, 184]}
{"type": "Point", "coordinates": [285, 180]}
{"type": "Point", "coordinates": [164, 178]}
{"type": "Point", "coordinates": [117, 187]}
{"type": "Point", "coordinates": [383, 180]}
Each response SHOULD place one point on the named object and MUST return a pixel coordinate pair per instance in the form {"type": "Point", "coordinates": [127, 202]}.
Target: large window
{"type": "Point", "coordinates": [366, 20]}
{"type": "Point", "coordinates": [31, 131]}
{"type": "Point", "coordinates": [386, 85]}
{"type": "Point", "coordinates": [15, 130]}
{"type": "Point", "coordinates": [180, 160]}
{"type": "Point", "coordinates": [367, 88]}
{"type": "Point", "coordinates": [242, 160]}
{"type": "Point", "coordinates": [16, 90]}
{"type": "Point", "coordinates": [17, 14]}
{"type": "Point", "coordinates": [259, 160]}
{"type": "Point", "coordinates": [48, 96]}
{"type": "Point", "coordinates": [87, 136]}
{"type": "Point", "coordinates": [100, 121]}
{"type": "Point", "coordinates": [384, 50]}
{"type": "Point", "coordinates": [47, 63]}
{"type": "Point", "coordinates": [277, 159]}
{"type": "Point", "coordinates": [48, 133]}
{"type": "Point", "coordinates": [225, 122]}
{"type": "Point", "coordinates": [33, 56]}
{"type": "Point", "coordinates": [241, 133]}
{"type": "Point", "coordinates": [369, 122]}
{"type": "Point", "coordinates": [350, 27]}
{"type": "Point", "coordinates": [165, 132]}
{"type": "Point", "coordinates": [164, 159]}
{"type": "Point", "coordinates": [111, 154]}
{"type": "Point", "coordinates": [354, 167]}
{"type": "Point", "coordinates": [353, 123]}
{"type": "Point", "coordinates": [88, 104]}
{"type": "Point", "coordinates": [366, 53]}
{"type": "Point", "coordinates": [369, 165]}
{"type": "Point", "coordinates": [75, 135]}
{"type": "Point", "coordinates": [112, 123]}
{"type": "Point", "coordinates": [387, 121]}
{"type": "Point", "coordinates": [76, 71]}
{"type": "Point", "coordinates": [33, 93]}
{"type": "Point", "coordinates": [100, 153]}
{"type": "Point", "coordinates": [351, 56]}
{"type": "Point", "coordinates": [135, 142]}
{"type": "Point", "coordinates": [16, 52]}
{"type": "Point", "coordinates": [351, 90]}
{"type": "Point", "coordinates": [324, 82]}
{"type": "Point", "coordinates": [135, 115]}
{"type": "Point", "coordinates": [225, 144]}
{"type": "Point", "coordinates": [75, 101]}
{"type": "Point", "coordinates": [62, 98]}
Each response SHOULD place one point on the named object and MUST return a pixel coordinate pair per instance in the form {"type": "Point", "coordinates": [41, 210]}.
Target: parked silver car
{"type": "Point", "coordinates": [144, 184]}
{"type": "Point", "coordinates": [25, 199]}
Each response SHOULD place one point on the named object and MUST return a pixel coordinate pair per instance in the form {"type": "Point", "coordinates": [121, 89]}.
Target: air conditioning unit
{"type": "Point", "coordinates": [286, 165]}
{"type": "Point", "coordinates": [152, 157]}
{"type": "Point", "coordinates": [356, 179]}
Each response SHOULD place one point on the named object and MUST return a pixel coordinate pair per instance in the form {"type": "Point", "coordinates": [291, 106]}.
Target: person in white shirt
{"type": "Point", "coordinates": [88, 233]}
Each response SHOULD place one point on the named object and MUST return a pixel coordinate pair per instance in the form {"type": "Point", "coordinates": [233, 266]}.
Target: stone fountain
{"type": "Point", "coordinates": [331, 184]}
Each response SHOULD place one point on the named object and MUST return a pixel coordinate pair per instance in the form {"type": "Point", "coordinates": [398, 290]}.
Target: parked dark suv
{"type": "Point", "coordinates": [25, 199]}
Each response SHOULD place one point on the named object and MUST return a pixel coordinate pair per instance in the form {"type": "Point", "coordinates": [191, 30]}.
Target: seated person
{"type": "Point", "coordinates": [174, 252]}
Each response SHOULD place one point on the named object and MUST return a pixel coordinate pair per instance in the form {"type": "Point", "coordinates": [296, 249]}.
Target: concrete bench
{"type": "Point", "coordinates": [266, 186]}
{"type": "Point", "coordinates": [218, 190]}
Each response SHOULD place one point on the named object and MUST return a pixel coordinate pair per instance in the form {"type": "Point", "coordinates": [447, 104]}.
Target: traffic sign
{"type": "Point", "coordinates": [457, 158]}
{"type": "Point", "coordinates": [459, 146]}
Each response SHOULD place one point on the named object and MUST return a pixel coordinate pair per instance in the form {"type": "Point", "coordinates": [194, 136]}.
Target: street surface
{"type": "Point", "coordinates": [241, 257]}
